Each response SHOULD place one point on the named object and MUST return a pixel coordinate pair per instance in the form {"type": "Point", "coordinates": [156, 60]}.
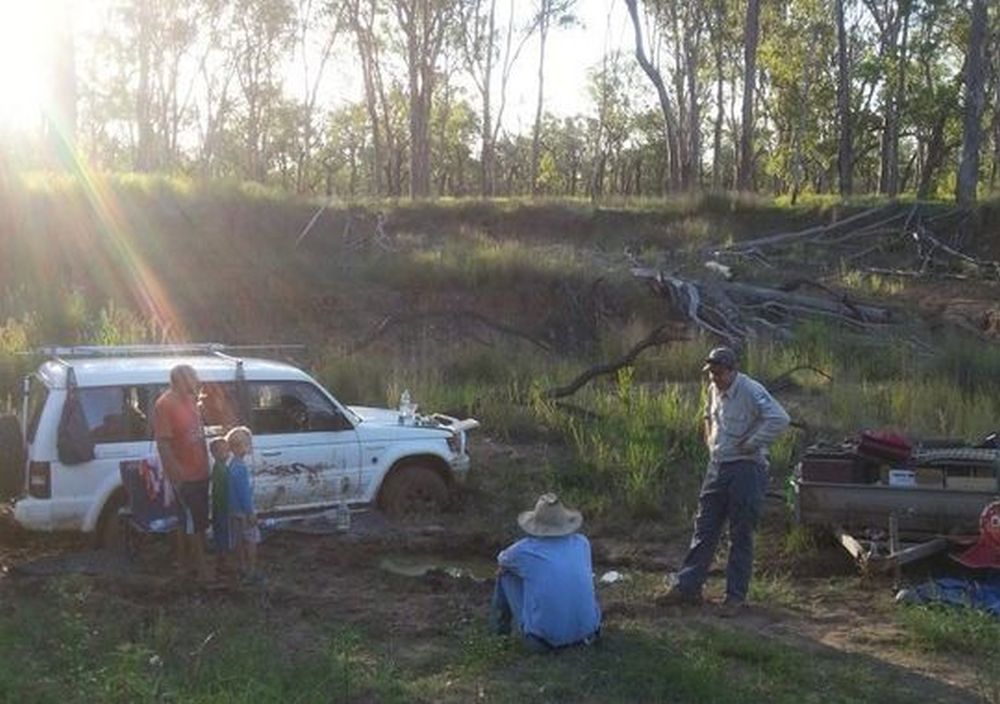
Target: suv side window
{"type": "Point", "coordinates": [117, 413]}
{"type": "Point", "coordinates": [220, 405]}
{"type": "Point", "coordinates": [292, 407]}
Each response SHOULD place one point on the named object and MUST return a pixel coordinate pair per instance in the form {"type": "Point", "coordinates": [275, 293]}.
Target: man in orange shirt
{"type": "Point", "coordinates": [180, 440]}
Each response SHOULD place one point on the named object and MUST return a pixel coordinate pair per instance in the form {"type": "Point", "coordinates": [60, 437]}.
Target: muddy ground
{"type": "Point", "coordinates": [414, 586]}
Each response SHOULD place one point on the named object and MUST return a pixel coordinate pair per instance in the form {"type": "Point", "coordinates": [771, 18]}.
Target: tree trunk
{"type": "Point", "coordinates": [487, 152]}
{"type": "Point", "coordinates": [935, 153]}
{"type": "Point", "coordinates": [666, 107]}
{"type": "Point", "coordinates": [422, 23]}
{"type": "Point", "coordinates": [895, 47]}
{"type": "Point", "coordinates": [972, 126]}
{"type": "Point", "coordinates": [692, 41]}
{"type": "Point", "coordinates": [536, 135]}
{"type": "Point", "coordinates": [744, 176]}
{"type": "Point", "coordinates": [717, 182]}
{"type": "Point", "coordinates": [143, 98]}
{"type": "Point", "coordinates": [845, 148]}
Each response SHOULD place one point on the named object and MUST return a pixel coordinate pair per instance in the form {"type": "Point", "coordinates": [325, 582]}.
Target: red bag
{"type": "Point", "coordinates": [886, 445]}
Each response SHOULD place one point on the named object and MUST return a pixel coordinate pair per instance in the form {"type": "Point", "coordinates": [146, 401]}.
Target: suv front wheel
{"type": "Point", "coordinates": [414, 491]}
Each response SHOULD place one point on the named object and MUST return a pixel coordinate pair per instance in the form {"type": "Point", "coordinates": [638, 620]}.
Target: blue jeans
{"type": "Point", "coordinates": [733, 491]}
{"type": "Point", "coordinates": [505, 608]}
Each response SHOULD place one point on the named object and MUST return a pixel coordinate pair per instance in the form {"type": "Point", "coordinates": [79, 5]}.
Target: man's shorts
{"type": "Point", "coordinates": [193, 500]}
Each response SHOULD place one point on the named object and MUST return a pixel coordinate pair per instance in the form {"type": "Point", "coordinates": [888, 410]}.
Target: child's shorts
{"type": "Point", "coordinates": [240, 528]}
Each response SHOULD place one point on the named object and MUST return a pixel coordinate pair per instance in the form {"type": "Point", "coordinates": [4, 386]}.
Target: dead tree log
{"type": "Point", "coordinates": [732, 310]}
{"type": "Point", "coordinates": [842, 306]}
{"type": "Point", "coordinates": [784, 238]}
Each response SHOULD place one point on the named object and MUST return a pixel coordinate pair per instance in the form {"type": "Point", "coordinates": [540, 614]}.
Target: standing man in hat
{"type": "Point", "coordinates": [545, 582]}
{"type": "Point", "coordinates": [741, 422]}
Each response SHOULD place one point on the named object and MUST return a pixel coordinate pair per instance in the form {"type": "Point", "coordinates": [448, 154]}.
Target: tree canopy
{"type": "Point", "coordinates": [784, 97]}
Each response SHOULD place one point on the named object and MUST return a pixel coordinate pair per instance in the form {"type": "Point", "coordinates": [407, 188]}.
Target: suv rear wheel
{"type": "Point", "coordinates": [413, 492]}
{"type": "Point", "coordinates": [110, 531]}
{"type": "Point", "coordinates": [12, 457]}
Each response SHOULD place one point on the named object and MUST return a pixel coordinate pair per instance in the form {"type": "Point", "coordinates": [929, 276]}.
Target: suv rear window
{"type": "Point", "coordinates": [118, 413]}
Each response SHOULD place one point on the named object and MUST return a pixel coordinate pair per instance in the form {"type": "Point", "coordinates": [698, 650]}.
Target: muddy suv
{"type": "Point", "coordinates": [86, 410]}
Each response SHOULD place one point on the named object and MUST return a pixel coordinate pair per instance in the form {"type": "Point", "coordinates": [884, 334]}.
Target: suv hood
{"type": "Point", "coordinates": [387, 419]}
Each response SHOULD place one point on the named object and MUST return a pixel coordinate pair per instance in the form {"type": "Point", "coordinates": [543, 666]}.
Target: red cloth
{"type": "Point", "coordinates": [177, 421]}
{"type": "Point", "coordinates": [885, 444]}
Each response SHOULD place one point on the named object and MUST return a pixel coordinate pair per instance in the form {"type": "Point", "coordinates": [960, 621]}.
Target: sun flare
{"type": "Point", "coordinates": [27, 33]}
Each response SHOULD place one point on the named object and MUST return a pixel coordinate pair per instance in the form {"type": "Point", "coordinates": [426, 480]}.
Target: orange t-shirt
{"type": "Point", "coordinates": [176, 420]}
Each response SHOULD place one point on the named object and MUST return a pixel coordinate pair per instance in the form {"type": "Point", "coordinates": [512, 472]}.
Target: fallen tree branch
{"type": "Point", "coordinates": [656, 338]}
{"type": "Point", "coordinates": [817, 230]}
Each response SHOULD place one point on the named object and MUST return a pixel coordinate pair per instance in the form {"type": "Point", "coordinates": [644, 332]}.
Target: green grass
{"type": "Point", "coordinates": [70, 644]}
{"type": "Point", "coordinates": [951, 630]}
{"type": "Point", "coordinates": [971, 635]}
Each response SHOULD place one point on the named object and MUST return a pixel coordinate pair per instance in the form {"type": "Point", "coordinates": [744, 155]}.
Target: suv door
{"type": "Point", "coordinates": [306, 452]}
{"type": "Point", "coordinates": [117, 419]}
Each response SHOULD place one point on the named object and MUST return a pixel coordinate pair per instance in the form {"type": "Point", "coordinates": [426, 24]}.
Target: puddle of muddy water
{"type": "Point", "coordinates": [419, 565]}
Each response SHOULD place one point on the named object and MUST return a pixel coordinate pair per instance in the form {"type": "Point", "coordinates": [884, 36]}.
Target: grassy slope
{"type": "Point", "coordinates": [78, 264]}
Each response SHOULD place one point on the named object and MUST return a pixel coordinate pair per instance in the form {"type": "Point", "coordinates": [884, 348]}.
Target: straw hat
{"type": "Point", "coordinates": [550, 518]}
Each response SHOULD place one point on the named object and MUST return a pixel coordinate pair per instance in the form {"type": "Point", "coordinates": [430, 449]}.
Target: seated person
{"type": "Point", "coordinates": [545, 585]}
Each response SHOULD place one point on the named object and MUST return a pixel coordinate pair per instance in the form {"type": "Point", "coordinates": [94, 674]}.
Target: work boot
{"type": "Point", "coordinates": [731, 608]}
{"type": "Point", "coordinates": [678, 597]}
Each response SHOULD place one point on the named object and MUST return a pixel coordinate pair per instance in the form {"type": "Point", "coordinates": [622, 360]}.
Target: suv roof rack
{"type": "Point", "coordinates": [82, 351]}
{"type": "Point", "coordinates": [204, 348]}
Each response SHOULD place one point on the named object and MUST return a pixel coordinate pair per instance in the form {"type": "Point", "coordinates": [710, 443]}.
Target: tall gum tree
{"type": "Point", "coordinates": [975, 98]}
{"type": "Point", "coordinates": [845, 139]}
{"type": "Point", "coordinates": [549, 11]}
{"type": "Point", "coordinates": [751, 37]}
{"type": "Point", "coordinates": [490, 43]}
{"type": "Point", "coordinates": [667, 106]}
{"type": "Point", "coordinates": [422, 24]}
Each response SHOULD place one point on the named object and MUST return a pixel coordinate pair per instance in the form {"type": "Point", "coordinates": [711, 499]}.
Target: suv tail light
{"type": "Point", "coordinates": [40, 480]}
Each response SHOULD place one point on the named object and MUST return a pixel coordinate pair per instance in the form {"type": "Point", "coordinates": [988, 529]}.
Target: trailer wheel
{"type": "Point", "coordinates": [12, 457]}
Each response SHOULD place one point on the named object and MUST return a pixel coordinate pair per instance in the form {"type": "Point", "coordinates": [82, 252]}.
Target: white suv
{"type": "Point", "coordinates": [309, 450]}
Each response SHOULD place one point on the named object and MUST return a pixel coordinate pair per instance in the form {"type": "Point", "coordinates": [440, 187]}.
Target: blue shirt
{"type": "Point", "coordinates": [559, 604]}
{"type": "Point", "coordinates": [240, 493]}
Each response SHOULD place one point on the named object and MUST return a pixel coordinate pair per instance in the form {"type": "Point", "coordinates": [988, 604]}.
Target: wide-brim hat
{"type": "Point", "coordinates": [550, 518]}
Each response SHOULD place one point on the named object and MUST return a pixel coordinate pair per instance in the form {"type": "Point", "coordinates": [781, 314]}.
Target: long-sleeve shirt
{"type": "Point", "coordinates": [559, 604]}
{"type": "Point", "coordinates": [240, 491]}
{"type": "Point", "coordinates": [743, 421]}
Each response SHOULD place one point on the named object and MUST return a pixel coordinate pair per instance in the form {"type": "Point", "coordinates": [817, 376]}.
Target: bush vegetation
{"type": "Point", "coordinates": [529, 265]}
